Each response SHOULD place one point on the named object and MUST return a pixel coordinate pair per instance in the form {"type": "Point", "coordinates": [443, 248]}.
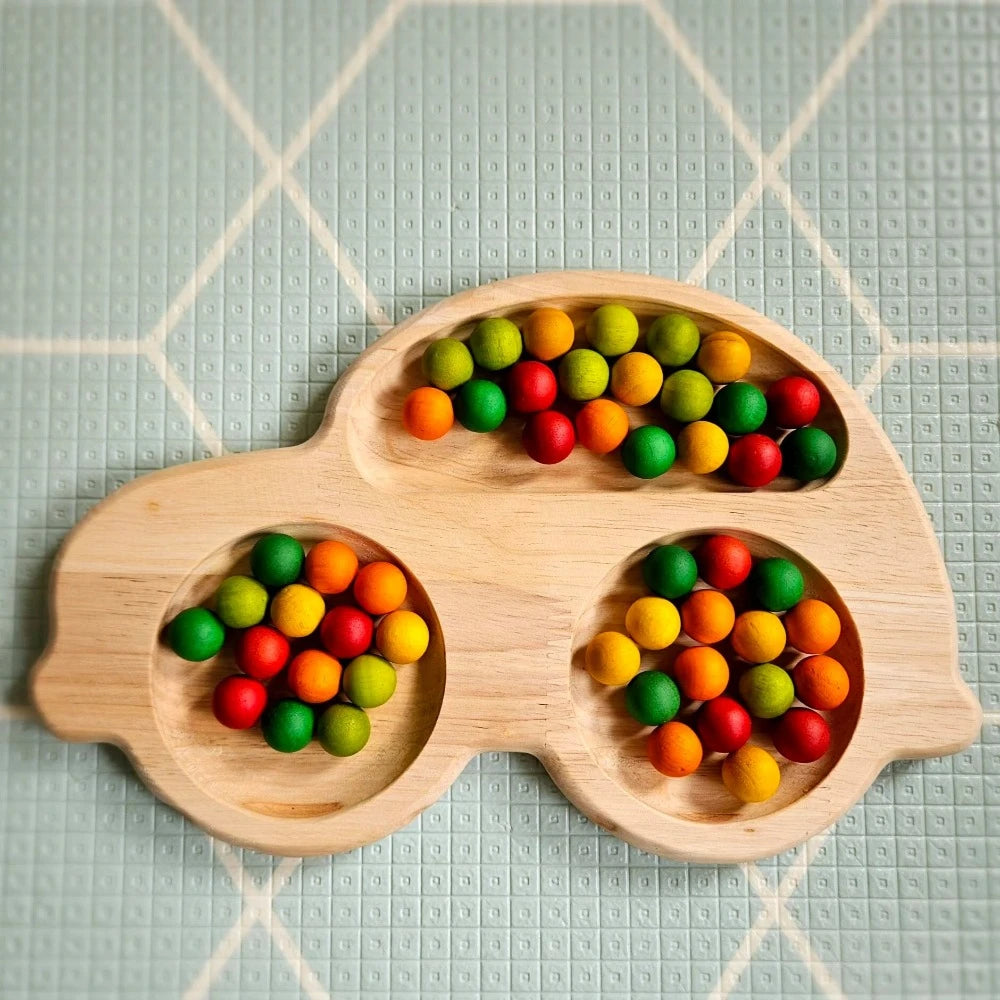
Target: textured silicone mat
{"type": "Point", "coordinates": [207, 210]}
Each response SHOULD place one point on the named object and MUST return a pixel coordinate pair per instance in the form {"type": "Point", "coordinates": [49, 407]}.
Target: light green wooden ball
{"type": "Point", "coordinates": [496, 343]}
{"type": "Point", "coordinates": [612, 330]}
{"type": "Point", "coordinates": [583, 374]}
{"type": "Point", "coordinates": [447, 363]}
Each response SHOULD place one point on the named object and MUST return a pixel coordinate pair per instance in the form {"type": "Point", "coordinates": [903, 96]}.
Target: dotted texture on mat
{"type": "Point", "coordinates": [166, 292]}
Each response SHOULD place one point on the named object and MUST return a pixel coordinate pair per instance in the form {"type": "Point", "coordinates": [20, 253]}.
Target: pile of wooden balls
{"type": "Point", "coordinates": [713, 418]}
{"type": "Point", "coordinates": [294, 680]}
{"type": "Point", "coordinates": [758, 609]}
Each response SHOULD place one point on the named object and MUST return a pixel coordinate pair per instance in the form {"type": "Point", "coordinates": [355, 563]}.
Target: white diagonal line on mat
{"type": "Point", "coordinates": [777, 904]}
{"type": "Point", "coordinates": [183, 396]}
{"type": "Point", "coordinates": [768, 918]}
{"type": "Point", "coordinates": [67, 345]}
{"type": "Point", "coordinates": [770, 174]}
{"type": "Point", "coordinates": [280, 167]}
{"type": "Point", "coordinates": [807, 114]}
{"type": "Point", "coordinates": [275, 176]}
{"type": "Point", "coordinates": [256, 904]}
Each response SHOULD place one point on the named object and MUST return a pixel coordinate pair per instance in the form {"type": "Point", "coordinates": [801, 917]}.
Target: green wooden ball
{"type": "Point", "coordinates": [612, 330]}
{"type": "Point", "coordinates": [648, 452]}
{"type": "Point", "coordinates": [480, 405]}
{"type": "Point", "coordinates": [808, 453]}
{"type": "Point", "coordinates": [447, 363]}
{"type": "Point", "coordinates": [686, 396]}
{"type": "Point", "coordinates": [240, 602]}
{"type": "Point", "coordinates": [288, 725]}
{"type": "Point", "coordinates": [196, 635]}
{"type": "Point", "coordinates": [343, 730]}
{"type": "Point", "coordinates": [583, 374]}
{"type": "Point", "coordinates": [767, 691]}
{"type": "Point", "coordinates": [276, 560]}
{"type": "Point", "coordinates": [652, 698]}
{"type": "Point", "coordinates": [673, 340]}
{"type": "Point", "coordinates": [496, 343]}
{"type": "Point", "coordinates": [739, 408]}
{"type": "Point", "coordinates": [670, 571]}
{"type": "Point", "coordinates": [369, 681]}
{"type": "Point", "coordinates": [777, 584]}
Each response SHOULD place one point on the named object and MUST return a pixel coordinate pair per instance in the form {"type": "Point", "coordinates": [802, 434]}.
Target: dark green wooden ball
{"type": "Point", "coordinates": [670, 571]}
{"type": "Point", "coordinates": [276, 560]}
{"type": "Point", "coordinates": [808, 453]}
{"type": "Point", "coordinates": [776, 584]}
{"type": "Point", "coordinates": [648, 452]}
{"type": "Point", "coordinates": [480, 405]}
{"type": "Point", "coordinates": [287, 725]}
{"type": "Point", "coordinates": [739, 408]}
{"type": "Point", "coordinates": [196, 634]}
{"type": "Point", "coordinates": [652, 698]}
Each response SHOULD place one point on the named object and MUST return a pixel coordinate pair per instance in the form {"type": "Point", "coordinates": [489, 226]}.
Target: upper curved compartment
{"type": "Point", "coordinates": [369, 404]}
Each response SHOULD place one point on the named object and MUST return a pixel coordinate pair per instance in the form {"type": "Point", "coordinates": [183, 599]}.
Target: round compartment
{"type": "Point", "coordinates": [463, 460]}
{"type": "Point", "coordinates": [237, 766]}
{"type": "Point", "coordinates": [618, 743]}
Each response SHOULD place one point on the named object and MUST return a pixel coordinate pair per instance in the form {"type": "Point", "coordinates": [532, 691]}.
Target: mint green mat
{"type": "Point", "coordinates": [167, 290]}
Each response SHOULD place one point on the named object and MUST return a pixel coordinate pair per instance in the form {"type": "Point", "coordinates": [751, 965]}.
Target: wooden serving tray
{"type": "Point", "coordinates": [516, 566]}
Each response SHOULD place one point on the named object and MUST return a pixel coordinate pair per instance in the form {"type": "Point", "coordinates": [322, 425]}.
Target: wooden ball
{"type": "Point", "coordinates": [636, 378]}
{"type": "Point", "coordinates": [724, 562]}
{"type": "Point", "coordinates": [238, 701]}
{"type": "Point", "coordinates": [674, 750]}
{"type": "Point", "coordinates": [723, 724]}
{"type": "Point", "coordinates": [801, 735]}
{"type": "Point", "coordinates": [724, 356]}
{"type": "Point", "coordinates": [751, 774]}
{"type": "Point", "coordinates": [531, 387]}
{"type": "Point", "coordinates": [601, 425]}
{"type": "Point", "coordinates": [548, 437]}
{"type": "Point", "coordinates": [793, 401]}
{"type": "Point", "coordinates": [754, 460]}
{"type": "Point", "coordinates": [428, 413]}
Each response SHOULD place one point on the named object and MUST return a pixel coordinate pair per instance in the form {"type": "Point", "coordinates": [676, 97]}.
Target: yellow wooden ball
{"type": "Point", "coordinates": [653, 622]}
{"type": "Point", "coordinates": [702, 447]}
{"type": "Point", "coordinates": [297, 610]}
{"type": "Point", "coordinates": [724, 356]}
{"type": "Point", "coordinates": [636, 378]}
{"type": "Point", "coordinates": [402, 637]}
{"type": "Point", "coordinates": [612, 658]}
{"type": "Point", "coordinates": [751, 774]}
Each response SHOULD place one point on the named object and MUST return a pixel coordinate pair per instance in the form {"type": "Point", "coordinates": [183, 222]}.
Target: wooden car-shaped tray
{"type": "Point", "coordinates": [515, 566]}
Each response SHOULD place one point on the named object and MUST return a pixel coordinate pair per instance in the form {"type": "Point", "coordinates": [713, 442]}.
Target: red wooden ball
{"type": "Point", "coordinates": [793, 401]}
{"type": "Point", "coordinates": [801, 735]}
{"type": "Point", "coordinates": [238, 701]}
{"type": "Point", "coordinates": [531, 387]}
{"type": "Point", "coordinates": [723, 561]}
{"type": "Point", "coordinates": [723, 724]}
{"type": "Point", "coordinates": [262, 652]}
{"type": "Point", "coordinates": [754, 460]}
{"type": "Point", "coordinates": [346, 632]}
{"type": "Point", "coordinates": [548, 437]}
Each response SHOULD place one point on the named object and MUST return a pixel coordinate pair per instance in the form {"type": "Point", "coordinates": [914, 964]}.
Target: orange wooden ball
{"type": "Point", "coordinates": [812, 626]}
{"type": "Point", "coordinates": [331, 566]}
{"type": "Point", "coordinates": [380, 587]}
{"type": "Point", "coordinates": [674, 750]}
{"type": "Point", "coordinates": [701, 673]}
{"type": "Point", "coordinates": [821, 682]}
{"type": "Point", "coordinates": [428, 413]}
{"type": "Point", "coordinates": [708, 616]}
{"type": "Point", "coordinates": [601, 426]}
{"type": "Point", "coordinates": [314, 676]}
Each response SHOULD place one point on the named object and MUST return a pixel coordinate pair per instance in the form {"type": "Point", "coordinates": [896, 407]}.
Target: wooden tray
{"type": "Point", "coordinates": [516, 565]}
